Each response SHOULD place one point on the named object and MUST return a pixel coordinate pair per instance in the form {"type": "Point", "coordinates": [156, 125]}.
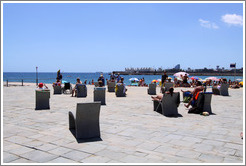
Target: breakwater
{"type": "Point", "coordinates": [171, 73]}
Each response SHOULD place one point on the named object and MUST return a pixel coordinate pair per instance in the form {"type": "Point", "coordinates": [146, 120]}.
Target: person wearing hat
{"type": "Point", "coordinates": [101, 78]}
{"type": "Point", "coordinates": [42, 86]}
{"type": "Point", "coordinates": [74, 89]}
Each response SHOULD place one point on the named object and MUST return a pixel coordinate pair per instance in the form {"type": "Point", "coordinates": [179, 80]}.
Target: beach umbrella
{"type": "Point", "coordinates": [212, 78]}
{"type": "Point", "coordinates": [133, 79]}
{"type": "Point", "coordinates": [179, 79]}
{"type": "Point", "coordinates": [241, 83]}
{"type": "Point", "coordinates": [159, 80]}
{"type": "Point", "coordinates": [180, 73]}
{"type": "Point", "coordinates": [239, 79]}
{"type": "Point", "coordinates": [202, 80]}
{"type": "Point", "coordinates": [154, 81]}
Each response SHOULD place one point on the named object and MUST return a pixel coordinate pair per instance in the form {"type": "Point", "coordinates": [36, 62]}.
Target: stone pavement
{"type": "Point", "coordinates": [131, 131]}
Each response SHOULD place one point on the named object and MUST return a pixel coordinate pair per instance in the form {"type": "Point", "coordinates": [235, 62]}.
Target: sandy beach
{"type": "Point", "coordinates": [131, 131]}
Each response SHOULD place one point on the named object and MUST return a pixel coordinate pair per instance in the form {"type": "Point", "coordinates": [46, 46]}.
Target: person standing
{"type": "Point", "coordinates": [164, 78]}
{"type": "Point", "coordinates": [118, 77]}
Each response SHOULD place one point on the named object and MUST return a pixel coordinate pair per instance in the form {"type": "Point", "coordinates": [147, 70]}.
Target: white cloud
{"type": "Point", "coordinates": [232, 19]}
{"type": "Point", "coordinates": [208, 24]}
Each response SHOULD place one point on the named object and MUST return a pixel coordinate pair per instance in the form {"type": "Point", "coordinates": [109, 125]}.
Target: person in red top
{"type": "Point", "coordinates": [42, 86]}
{"type": "Point", "coordinates": [194, 93]}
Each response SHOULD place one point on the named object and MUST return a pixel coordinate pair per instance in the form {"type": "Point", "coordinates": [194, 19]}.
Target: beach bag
{"type": "Point", "coordinates": [186, 99]}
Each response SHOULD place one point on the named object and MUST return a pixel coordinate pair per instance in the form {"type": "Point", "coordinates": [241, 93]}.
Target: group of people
{"type": "Point", "coordinates": [178, 82]}
{"type": "Point", "coordinates": [118, 80]}
{"type": "Point", "coordinates": [183, 81]}
{"type": "Point", "coordinates": [193, 94]}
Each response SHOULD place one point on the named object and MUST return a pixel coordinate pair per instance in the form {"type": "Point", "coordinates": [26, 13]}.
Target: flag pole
{"type": "Point", "coordinates": [36, 75]}
{"type": "Point", "coordinates": [235, 72]}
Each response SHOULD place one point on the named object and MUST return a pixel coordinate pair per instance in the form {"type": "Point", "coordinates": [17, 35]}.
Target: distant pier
{"type": "Point", "coordinates": [171, 73]}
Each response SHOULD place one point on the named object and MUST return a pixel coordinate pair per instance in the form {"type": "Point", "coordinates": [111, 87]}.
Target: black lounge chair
{"type": "Point", "coordinates": [223, 90]}
{"type": "Point", "coordinates": [203, 103]}
{"type": "Point", "coordinates": [111, 86]}
{"type": "Point", "coordinates": [81, 90]}
{"type": "Point", "coordinates": [42, 99]}
{"type": "Point", "coordinates": [85, 121]}
{"type": "Point", "coordinates": [120, 91]}
{"type": "Point", "coordinates": [67, 88]}
{"type": "Point", "coordinates": [99, 94]}
{"type": "Point", "coordinates": [57, 89]}
{"type": "Point", "coordinates": [169, 104]}
{"type": "Point", "coordinates": [152, 89]}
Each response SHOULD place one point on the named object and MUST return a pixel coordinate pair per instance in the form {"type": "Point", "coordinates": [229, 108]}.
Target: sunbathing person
{"type": "Point", "coordinates": [235, 85]}
{"type": "Point", "coordinates": [194, 93]}
{"type": "Point", "coordinates": [159, 97]}
{"type": "Point", "coordinates": [57, 83]}
{"type": "Point", "coordinates": [75, 87]}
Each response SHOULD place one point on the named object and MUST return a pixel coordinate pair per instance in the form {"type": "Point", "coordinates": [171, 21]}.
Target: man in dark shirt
{"type": "Point", "coordinates": [164, 78]}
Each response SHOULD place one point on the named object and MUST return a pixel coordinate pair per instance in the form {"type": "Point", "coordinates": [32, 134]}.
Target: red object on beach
{"type": "Point", "coordinates": [40, 85]}
{"type": "Point", "coordinates": [195, 78]}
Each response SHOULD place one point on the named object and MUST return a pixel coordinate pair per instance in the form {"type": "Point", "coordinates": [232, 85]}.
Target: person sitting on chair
{"type": "Point", "coordinates": [42, 86]}
{"type": "Point", "coordinates": [101, 78]}
{"type": "Point", "coordinates": [194, 94]}
{"type": "Point", "coordinates": [100, 83]}
{"type": "Point", "coordinates": [159, 97]}
{"type": "Point", "coordinates": [121, 82]}
{"type": "Point", "coordinates": [57, 83]}
{"type": "Point", "coordinates": [75, 87]}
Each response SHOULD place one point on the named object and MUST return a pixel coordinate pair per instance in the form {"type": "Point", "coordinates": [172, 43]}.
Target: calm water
{"type": "Point", "coordinates": [71, 77]}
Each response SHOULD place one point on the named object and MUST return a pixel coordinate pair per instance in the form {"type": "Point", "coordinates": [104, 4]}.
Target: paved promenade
{"type": "Point", "coordinates": [131, 131]}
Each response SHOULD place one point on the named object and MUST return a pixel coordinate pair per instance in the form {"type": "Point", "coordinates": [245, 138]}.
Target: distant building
{"type": "Point", "coordinates": [143, 69]}
{"type": "Point", "coordinates": [177, 67]}
{"type": "Point", "coordinates": [189, 69]}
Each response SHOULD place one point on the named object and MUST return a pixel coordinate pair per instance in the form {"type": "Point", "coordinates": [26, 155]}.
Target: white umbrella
{"type": "Point", "coordinates": [212, 78]}
{"type": "Point", "coordinates": [180, 79]}
{"type": "Point", "coordinates": [180, 73]}
{"type": "Point", "coordinates": [133, 79]}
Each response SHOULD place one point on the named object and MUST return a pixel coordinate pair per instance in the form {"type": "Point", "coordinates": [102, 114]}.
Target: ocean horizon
{"type": "Point", "coordinates": [50, 77]}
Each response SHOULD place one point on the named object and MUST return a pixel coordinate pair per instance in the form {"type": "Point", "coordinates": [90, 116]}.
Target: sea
{"type": "Point", "coordinates": [50, 77]}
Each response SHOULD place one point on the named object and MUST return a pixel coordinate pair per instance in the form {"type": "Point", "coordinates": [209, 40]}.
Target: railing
{"type": "Point", "coordinates": [7, 83]}
{"type": "Point", "coordinates": [22, 81]}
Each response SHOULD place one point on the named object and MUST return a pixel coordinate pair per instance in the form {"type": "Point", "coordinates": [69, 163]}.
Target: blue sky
{"type": "Point", "coordinates": [105, 37]}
